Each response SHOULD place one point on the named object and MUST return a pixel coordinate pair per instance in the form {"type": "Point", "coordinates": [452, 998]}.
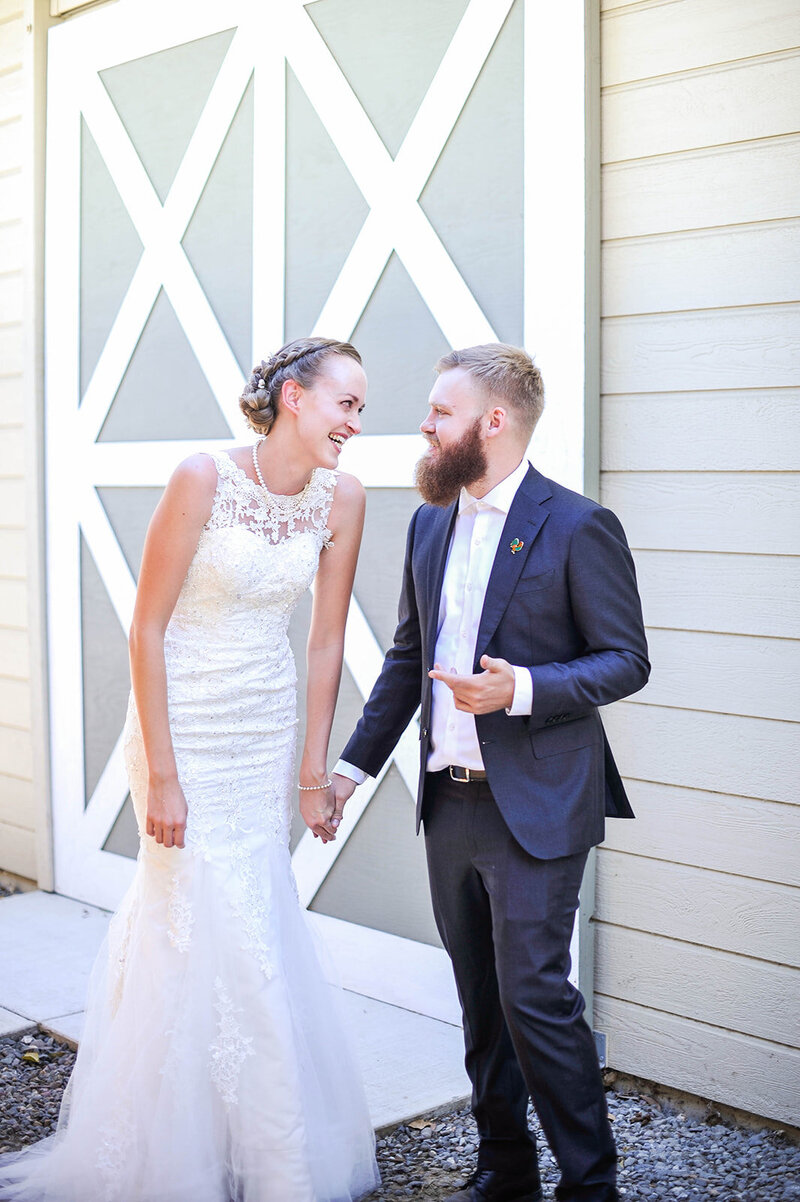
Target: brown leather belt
{"type": "Point", "coordinates": [465, 775]}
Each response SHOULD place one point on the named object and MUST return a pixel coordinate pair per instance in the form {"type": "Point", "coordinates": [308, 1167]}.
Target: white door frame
{"type": "Point", "coordinates": [269, 35]}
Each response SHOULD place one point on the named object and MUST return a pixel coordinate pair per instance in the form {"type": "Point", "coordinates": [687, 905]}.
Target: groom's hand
{"type": "Point", "coordinates": [481, 693]}
{"type": "Point", "coordinates": [343, 790]}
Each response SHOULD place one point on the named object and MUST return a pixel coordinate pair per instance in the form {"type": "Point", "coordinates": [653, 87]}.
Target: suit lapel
{"type": "Point", "coordinates": [525, 519]}
{"type": "Point", "coordinates": [440, 535]}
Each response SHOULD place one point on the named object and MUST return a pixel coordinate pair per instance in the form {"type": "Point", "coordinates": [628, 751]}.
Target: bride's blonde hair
{"type": "Point", "coordinates": [302, 360]}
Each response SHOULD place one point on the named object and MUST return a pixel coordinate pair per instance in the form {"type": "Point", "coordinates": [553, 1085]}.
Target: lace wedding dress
{"type": "Point", "coordinates": [213, 1067]}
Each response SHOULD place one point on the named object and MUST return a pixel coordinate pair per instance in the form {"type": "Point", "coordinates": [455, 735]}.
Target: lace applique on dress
{"type": "Point", "coordinates": [116, 1139]}
{"type": "Point", "coordinates": [179, 915]}
{"type": "Point", "coordinates": [241, 501]}
{"type": "Point", "coordinates": [119, 942]}
{"type": "Point", "coordinates": [230, 1048]}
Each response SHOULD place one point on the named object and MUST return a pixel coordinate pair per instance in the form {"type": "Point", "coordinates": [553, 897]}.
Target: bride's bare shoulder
{"type": "Point", "coordinates": [192, 485]}
{"type": "Point", "coordinates": [349, 497]}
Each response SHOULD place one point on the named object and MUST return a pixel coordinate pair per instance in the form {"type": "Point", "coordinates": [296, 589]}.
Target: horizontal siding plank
{"type": "Point", "coordinates": [16, 802]}
{"type": "Point", "coordinates": [737, 1070]}
{"type": "Point", "coordinates": [724, 673]}
{"type": "Point", "coordinates": [12, 500]}
{"type": "Point", "coordinates": [11, 153]}
{"type": "Point", "coordinates": [15, 703]}
{"type": "Point", "coordinates": [705, 269]}
{"type": "Point", "coordinates": [721, 511]}
{"type": "Point", "coordinates": [712, 349]}
{"type": "Point", "coordinates": [14, 654]}
{"type": "Point", "coordinates": [736, 594]}
{"type": "Point", "coordinates": [724, 753]}
{"type": "Point", "coordinates": [12, 455]}
{"type": "Point", "coordinates": [754, 99]}
{"type": "Point", "coordinates": [11, 295]}
{"type": "Point", "coordinates": [13, 603]}
{"type": "Point", "coordinates": [16, 753]}
{"type": "Point", "coordinates": [735, 992]}
{"type": "Point", "coordinates": [656, 40]}
{"type": "Point", "coordinates": [12, 408]}
{"type": "Point", "coordinates": [11, 246]}
{"type": "Point", "coordinates": [18, 850]}
{"type": "Point", "coordinates": [11, 340]}
{"type": "Point", "coordinates": [740, 835]}
{"type": "Point", "coordinates": [723, 185]}
{"type": "Point", "coordinates": [712, 909]}
{"type": "Point", "coordinates": [11, 96]}
{"type": "Point", "coordinates": [11, 44]}
{"type": "Point", "coordinates": [13, 554]}
{"type": "Point", "coordinates": [606, 5]}
{"type": "Point", "coordinates": [11, 199]}
{"type": "Point", "coordinates": [756, 431]}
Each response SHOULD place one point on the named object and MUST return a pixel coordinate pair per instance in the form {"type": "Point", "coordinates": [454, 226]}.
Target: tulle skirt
{"type": "Point", "coordinates": [214, 1065]}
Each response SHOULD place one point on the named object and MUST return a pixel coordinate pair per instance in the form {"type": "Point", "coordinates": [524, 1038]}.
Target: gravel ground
{"type": "Point", "coordinates": [666, 1155]}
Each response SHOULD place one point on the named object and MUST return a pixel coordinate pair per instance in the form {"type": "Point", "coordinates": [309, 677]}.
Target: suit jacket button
{"type": "Point", "coordinates": [424, 732]}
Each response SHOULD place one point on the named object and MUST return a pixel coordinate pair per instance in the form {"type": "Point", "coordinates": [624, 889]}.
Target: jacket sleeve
{"type": "Point", "coordinates": [397, 691]}
{"type": "Point", "coordinates": [608, 615]}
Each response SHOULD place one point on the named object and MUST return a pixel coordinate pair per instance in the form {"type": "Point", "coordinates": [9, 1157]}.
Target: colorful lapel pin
{"type": "Point", "coordinates": [517, 545]}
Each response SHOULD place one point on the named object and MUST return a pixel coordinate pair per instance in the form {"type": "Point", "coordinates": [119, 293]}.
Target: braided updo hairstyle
{"type": "Point", "coordinates": [302, 360]}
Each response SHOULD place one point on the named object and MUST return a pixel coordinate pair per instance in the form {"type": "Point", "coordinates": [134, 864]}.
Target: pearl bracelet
{"type": "Point", "coordinates": [310, 788]}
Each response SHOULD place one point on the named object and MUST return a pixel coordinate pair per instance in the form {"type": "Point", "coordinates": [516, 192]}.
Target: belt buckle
{"type": "Point", "coordinates": [461, 780]}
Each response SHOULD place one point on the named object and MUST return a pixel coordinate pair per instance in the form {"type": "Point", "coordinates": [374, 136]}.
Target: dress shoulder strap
{"type": "Point", "coordinates": [322, 488]}
{"type": "Point", "coordinates": [223, 510]}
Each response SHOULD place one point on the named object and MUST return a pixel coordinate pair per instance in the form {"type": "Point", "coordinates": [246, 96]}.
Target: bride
{"type": "Point", "coordinates": [212, 1066]}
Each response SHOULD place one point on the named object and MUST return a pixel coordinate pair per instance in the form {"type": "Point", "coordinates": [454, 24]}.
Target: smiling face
{"type": "Point", "coordinates": [329, 412]}
{"type": "Point", "coordinates": [455, 429]}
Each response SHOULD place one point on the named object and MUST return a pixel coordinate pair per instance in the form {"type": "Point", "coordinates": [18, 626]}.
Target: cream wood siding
{"type": "Point", "coordinates": [17, 822]}
{"type": "Point", "coordinates": [698, 961]}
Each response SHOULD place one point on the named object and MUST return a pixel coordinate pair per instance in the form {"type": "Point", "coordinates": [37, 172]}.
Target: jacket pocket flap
{"type": "Point", "coordinates": [569, 736]}
{"type": "Point", "coordinates": [528, 584]}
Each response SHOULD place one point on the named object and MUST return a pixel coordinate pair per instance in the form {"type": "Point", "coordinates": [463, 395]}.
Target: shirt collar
{"type": "Point", "coordinates": [500, 497]}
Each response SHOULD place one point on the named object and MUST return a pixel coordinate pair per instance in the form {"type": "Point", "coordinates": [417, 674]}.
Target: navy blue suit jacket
{"type": "Point", "coordinates": [566, 606]}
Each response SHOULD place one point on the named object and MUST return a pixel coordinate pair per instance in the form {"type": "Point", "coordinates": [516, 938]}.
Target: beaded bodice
{"type": "Point", "coordinates": [256, 556]}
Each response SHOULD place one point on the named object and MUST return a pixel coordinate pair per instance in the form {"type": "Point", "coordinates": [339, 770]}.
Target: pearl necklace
{"type": "Point", "coordinates": [279, 500]}
{"type": "Point", "coordinates": [259, 477]}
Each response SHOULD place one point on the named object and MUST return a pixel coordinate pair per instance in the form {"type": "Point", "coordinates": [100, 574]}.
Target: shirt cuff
{"type": "Point", "coordinates": [353, 773]}
{"type": "Point", "coordinates": [522, 701]}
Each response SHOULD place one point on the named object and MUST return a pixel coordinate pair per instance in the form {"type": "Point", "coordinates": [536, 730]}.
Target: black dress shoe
{"type": "Point", "coordinates": [491, 1185]}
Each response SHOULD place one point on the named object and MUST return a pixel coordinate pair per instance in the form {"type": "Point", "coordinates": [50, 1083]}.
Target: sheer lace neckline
{"type": "Point", "coordinates": [240, 501]}
{"type": "Point", "coordinates": [282, 500]}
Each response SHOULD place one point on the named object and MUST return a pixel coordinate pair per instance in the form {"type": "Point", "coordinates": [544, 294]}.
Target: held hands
{"type": "Point", "coordinates": [166, 813]}
{"type": "Point", "coordinates": [318, 810]}
{"type": "Point", "coordinates": [481, 693]}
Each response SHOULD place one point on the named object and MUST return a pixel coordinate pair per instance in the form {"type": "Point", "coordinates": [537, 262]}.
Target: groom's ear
{"type": "Point", "coordinates": [496, 420]}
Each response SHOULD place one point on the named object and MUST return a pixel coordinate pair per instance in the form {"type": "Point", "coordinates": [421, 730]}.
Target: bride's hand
{"type": "Point", "coordinates": [316, 808]}
{"type": "Point", "coordinates": [166, 813]}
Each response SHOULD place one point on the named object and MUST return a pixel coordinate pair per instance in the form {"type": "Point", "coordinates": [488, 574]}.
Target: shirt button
{"type": "Point", "coordinates": [452, 726]}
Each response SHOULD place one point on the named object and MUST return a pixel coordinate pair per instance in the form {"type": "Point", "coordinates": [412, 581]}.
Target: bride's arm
{"type": "Point", "coordinates": [332, 589]}
{"type": "Point", "coordinates": [169, 546]}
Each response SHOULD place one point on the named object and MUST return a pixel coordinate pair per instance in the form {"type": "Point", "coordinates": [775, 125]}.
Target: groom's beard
{"type": "Point", "coordinates": [440, 477]}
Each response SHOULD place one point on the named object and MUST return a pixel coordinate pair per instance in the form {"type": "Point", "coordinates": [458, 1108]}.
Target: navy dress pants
{"type": "Point", "coordinates": [506, 921]}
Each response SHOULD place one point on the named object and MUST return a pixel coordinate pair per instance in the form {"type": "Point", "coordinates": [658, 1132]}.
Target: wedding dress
{"type": "Point", "coordinates": [213, 1067]}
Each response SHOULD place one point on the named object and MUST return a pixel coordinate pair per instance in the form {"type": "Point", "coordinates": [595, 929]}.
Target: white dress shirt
{"type": "Point", "coordinates": [476, 535]}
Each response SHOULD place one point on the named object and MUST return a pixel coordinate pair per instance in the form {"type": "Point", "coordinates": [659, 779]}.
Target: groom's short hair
{"type": "Point", "coordinates": [507, 373]}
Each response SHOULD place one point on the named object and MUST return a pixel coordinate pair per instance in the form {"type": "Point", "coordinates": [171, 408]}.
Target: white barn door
{"type": "Point", "coordinates": [259, 45]}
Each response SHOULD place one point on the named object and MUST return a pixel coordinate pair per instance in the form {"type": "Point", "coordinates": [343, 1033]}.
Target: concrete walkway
{"type": "Point", "coordinates": [411, 1064]}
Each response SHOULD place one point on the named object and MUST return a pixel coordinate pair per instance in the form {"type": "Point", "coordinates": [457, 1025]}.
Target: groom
{"type": "Point", "coordinates": [518, 617]}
